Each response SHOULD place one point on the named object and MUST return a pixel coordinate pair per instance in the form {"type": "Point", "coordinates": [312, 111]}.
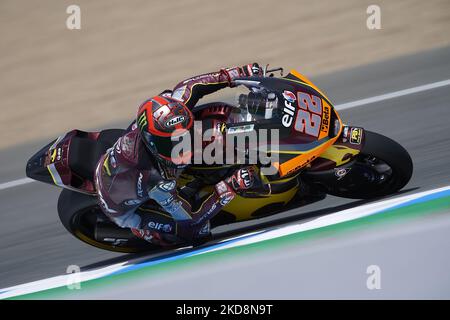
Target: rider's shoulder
{"type": "Point", "coordinates": [126, 147]}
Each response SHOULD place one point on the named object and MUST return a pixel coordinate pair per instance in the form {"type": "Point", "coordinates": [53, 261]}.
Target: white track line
{"type": "Point", "coordinates": [246, 239]}
{"type": "Point", "coordinates": [343, 106]}
{"type": "Point", "coordinates": [15, 183]}
{"type": "Point", "coordinates": [392, 95]}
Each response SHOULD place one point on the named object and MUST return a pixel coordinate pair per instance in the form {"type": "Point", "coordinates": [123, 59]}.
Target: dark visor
{"type": "Point", "coordinates": [162, 146]}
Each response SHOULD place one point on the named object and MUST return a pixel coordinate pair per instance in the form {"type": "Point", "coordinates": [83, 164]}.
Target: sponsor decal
{"type": "Point", "coordinates": [53, 156]}
{"type": "Point", "coordinates": [345, 134]}
{"type": "Point", "coordinates": [341, 172]}
{"type": "Point", "coordinates": [221, 187]}
{"type": "Point", "coordinates": [167, 228]}
{"type": "Point", "coordinates": [225, 195]}
{"type": "Point", "coordinates": [114, 241]}
{"type": "Point", "coordinates": [221, 126]}
{"type": "Point", "coordinates": [167, 186]}
{"type": "Point", "coordinates": [205, 229]}
{"type": "Point", "coordinates": [175, 120]}
{"type": "Point", "coordinates": [167, 201]}
{"type": "Point", "coordinates": [309, 115]}
{"type": "Point", "coordinates": [246, 178]}
{"type": "Point", "coordinates": [226, 198]}
{"type": "Point", "coordinates": [289, 96]}
{"type": "Point", "coordinates": [142, 120]}
{"type": "Point", "coordinates": [132, 202]}
{"type": "Point", "coordinates": [306, 163]}
{"type": "Point", "coordinates": [210, 211]}
{"type": "Point", "coordinates": [288, 109]}
{"type": "Point", "coordinates": [355, 135]}
{"type": "Point", "coordinates": [56, 155]}
{"type": "Point", "coordinates": [173, 207]}
{"type": "Point", "coordinates": [325, 119]}
{"type": "Point", "coordinates": [240, 129]}
{"type": "Point", "coordinates": [139, 190]}
{"type": "Point", "coordinates": [127, 145]}
{"type": "Point", "coordinates": [160, 226]}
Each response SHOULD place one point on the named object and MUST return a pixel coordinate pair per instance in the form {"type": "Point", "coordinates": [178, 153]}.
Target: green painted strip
{"type": "Point", "coordinates": [436, 206]}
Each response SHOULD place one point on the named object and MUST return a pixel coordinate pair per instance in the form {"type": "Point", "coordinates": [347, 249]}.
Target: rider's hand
{"type": "Point", "coordinates": [252, 70]}
{"type": "Point", "coordinates": [248, 70]}
{"type": "Point", "coordinates": [248, 181]}
{"type": "Point", "coordinates": [242, 179]}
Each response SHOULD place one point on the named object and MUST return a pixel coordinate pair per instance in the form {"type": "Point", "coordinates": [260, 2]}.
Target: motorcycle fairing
{"type": "Point", "coordinates": [341, 152]}
{"type": "Point", "coordinates": [50, 164]}
{"type": "Point", "coordinates": [297, 147]}
{"type": "Point", "coordinates": [68, 161]}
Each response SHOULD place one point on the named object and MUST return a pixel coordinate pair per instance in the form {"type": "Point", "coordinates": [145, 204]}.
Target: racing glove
{"type": "Point", "coordinates": [241, 179]}
{"type": "Point", "coordinates": [247, 180]}
{"type": "Point", "coordinates": [248, 70]}
{"type": "Point", "coordinates": [252, 70]}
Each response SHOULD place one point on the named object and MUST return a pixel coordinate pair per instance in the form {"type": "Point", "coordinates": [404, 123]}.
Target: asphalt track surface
{"type": "Point", "coordinates": [34, 245]}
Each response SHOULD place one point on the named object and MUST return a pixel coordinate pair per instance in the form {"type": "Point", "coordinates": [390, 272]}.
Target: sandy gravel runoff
{"type": "Point", "coordinates": [53, 79]}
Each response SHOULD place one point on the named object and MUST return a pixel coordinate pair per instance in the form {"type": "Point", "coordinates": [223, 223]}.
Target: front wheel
{"type": "Point", "coordinates": [83, 218]}
{"type": "Point", "coordinates": [383, 167]}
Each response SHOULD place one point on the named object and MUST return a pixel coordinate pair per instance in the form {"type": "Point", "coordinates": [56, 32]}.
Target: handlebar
{"type": "Point", "coordinates": [266, 70]}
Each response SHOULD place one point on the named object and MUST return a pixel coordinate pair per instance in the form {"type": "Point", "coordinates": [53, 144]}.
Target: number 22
{"type": "Point", "coordinates": [309, 116]}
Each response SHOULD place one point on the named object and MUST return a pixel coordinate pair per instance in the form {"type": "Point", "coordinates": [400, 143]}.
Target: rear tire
{"type": "Point", "coordinates": [80, 213]}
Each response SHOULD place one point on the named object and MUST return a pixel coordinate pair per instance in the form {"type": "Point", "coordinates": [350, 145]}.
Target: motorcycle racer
{"type": "Point", "coordinates": [139, 167]}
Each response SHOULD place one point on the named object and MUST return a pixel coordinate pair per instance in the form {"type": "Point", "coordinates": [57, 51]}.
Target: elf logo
{"type": "Point", "coordinates": [160, 226]}
{"type": "Point", "coordinates": [289, 96]}
{"type": "Point", "coordinates": [289, 108]}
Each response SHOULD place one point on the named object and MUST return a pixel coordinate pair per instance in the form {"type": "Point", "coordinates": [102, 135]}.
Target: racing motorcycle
{"type": "Point", "coordinates": [317, 154]}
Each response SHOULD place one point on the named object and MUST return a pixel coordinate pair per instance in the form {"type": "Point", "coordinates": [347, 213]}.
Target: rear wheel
{"type": "Point", "coordinates": [83, 218]}
{"type": "Point", "coordinates": [383, 167]}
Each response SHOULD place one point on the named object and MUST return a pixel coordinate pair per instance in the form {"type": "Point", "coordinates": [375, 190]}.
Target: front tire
{"type": "Point", "coordinates": [382, 168]}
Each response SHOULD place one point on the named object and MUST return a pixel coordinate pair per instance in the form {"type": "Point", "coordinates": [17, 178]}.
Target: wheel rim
{"type": "Point", "coordinates": [368, 175]}
{"type": "Point", "coordinates": [83, 227]}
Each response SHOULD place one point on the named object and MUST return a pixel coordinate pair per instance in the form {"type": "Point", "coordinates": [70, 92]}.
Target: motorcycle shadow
{"type": "Point", "coordinates": [136, 258]}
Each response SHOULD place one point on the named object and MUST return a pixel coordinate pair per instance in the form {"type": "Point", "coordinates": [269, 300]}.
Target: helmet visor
{"type": "Point", "coordinates": [172, 151]}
